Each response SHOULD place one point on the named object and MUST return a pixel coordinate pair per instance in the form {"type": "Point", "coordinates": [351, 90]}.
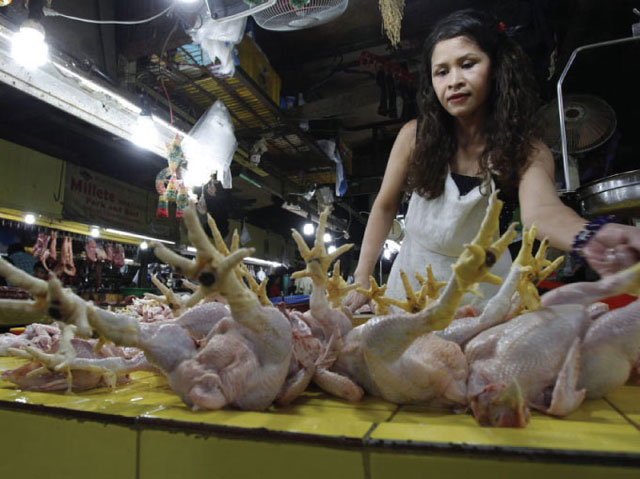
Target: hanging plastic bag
{"type": "Point", "coordinates": [218, 39]}
{"type": "Point", "coordinates": [245, 237]}
{"type": "Point", "coordinates": [329, 148]}
{"type": "Point", "coordinates": [209, 147]}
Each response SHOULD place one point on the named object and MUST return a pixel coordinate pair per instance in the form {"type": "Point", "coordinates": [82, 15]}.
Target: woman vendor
{"type": "Point", "coordinates": [474, 135]}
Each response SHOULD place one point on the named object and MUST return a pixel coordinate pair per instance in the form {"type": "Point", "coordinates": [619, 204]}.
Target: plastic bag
{"type": "Point", "coordinates": [218, 41]}
{"type": "Point", "coordinates": [329, 148]}
{"type": "Point", "coordinates": [245, 237]}
{"type": "Point", "coordinates": [209, 147]}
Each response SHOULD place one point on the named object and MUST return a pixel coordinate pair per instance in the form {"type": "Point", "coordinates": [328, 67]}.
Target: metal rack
{"type": "Point", "coordinates": [192, 88]}
{"type": "Point", "coordinates": [293, 156]}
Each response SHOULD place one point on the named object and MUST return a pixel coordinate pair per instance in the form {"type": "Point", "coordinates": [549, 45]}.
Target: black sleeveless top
{"type": "Point", "coordinates": [466, 183]}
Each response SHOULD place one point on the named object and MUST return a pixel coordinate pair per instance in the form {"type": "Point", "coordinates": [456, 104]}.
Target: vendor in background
{"type": "Point", "coordinates": [21, 259]}
{"type": "Point", "coordinates": [474, 135]}
{"type": "Point", "coordinates": [274, 288]}
{"type": "Point", "coordinates": [40, 272]}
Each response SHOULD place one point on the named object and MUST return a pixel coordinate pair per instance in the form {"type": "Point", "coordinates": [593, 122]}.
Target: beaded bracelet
{"type": "Point", "coordinates": [584, 236]}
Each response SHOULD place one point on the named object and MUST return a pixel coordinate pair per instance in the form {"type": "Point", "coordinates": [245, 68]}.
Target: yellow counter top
{"type": "Point", "coordinates": [316, 436]}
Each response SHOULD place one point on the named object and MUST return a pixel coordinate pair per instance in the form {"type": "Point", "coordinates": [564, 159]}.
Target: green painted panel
{"type": "Point", "coordinates": [170, 455]}
{"type": "Point", "coordinates": [39, 446]}
{"type": "Point", "coordinates": [409, 466]}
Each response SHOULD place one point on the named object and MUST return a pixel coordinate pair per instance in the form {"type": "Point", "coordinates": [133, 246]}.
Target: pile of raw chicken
{"type": "Point", "coordinates": [225, 345]}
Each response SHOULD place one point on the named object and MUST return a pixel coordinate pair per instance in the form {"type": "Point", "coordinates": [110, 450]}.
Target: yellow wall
{"type": "Point", "coordinates": [31, 181]}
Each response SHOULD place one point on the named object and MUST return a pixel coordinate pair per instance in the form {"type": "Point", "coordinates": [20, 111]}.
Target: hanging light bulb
{"type": "Point", "coordinates": [28, 47]}
{"type": "Point", "coordinates": [326, 238]}
{"type": "Point", "coordinates": [30, 218]}
{"type": "Point", "coordinates": [308, 229]}
{"type": "Point", "coordinates": [95, 231]}
{"type": "Point", "coordinates": [144, 245]}
{"type": "Point", "coordinates": [331, 249]}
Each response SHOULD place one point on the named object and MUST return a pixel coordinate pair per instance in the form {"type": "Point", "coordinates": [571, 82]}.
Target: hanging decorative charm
{"type": "Point", "coordinates": [169, 183]}
{"type": "Point", "coordinates": [392, 11]}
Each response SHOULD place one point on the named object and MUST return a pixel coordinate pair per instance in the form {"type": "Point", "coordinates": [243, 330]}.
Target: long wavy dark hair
{"type": "Point", "coordinates": [511, 105]}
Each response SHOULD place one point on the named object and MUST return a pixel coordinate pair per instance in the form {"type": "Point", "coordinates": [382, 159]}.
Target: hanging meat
{"type": "Point", "coordinates": [101, 254]}
{"type": "Point", "coordinates": [118, 256]}
{"type": "Point", "coordinates": [52, 247]}
{"type": "Point", "coordinates": [41, 249]}
{"type": "Point", "coordinates": [40, 246]}
{"type": "Point", "coordinates": [90, 248]}
{"type": "Point", "coordinates": [108, 249]}
{"type": "Point", "coordinates": [67, 257]}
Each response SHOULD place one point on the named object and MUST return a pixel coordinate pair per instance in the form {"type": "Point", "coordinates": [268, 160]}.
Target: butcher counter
{"type": "Point", "coordinates": [143, 430]}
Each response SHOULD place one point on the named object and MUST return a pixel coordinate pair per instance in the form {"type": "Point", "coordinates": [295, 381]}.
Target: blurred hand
{"type": "Point", "coordinates": [355, 301]}
{"type": "Point", "coordinates": [613, 248]}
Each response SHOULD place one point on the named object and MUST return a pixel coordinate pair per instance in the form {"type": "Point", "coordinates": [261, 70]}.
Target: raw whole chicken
{"type": "Point", "coordinates": [74, 364]}
{"type": "Point", "coordinates": [42, 336]}
{"type": "Point", "coordinates": [553, 358]}
{"type": "Point", "coordinates": [319, 332]}
{"type": "Point", "coordinates": [398, 358]}
{"type": "Point", "coordinates": [244, 359]}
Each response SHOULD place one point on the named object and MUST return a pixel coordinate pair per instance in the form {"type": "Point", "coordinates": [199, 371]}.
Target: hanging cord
{"type": "Point", "coordinates": [50, 12]}
{"type": "Point", "coordinates": [162, 53]}
{"type": "Point", "coordinates": [166, 93]}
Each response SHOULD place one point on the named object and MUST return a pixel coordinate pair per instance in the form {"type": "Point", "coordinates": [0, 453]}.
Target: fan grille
{"type": "Point", "coordinates": [283, 17]}
{"type": "Point", "coordinates": [589, 122]}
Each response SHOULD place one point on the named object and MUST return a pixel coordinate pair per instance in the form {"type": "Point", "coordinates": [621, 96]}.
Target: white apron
{"type": "Point", "coordinates": [435, 232]}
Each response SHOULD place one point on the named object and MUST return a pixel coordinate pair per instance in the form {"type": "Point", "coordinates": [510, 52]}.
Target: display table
{"type": "Point", "coordinates": [143, 430]}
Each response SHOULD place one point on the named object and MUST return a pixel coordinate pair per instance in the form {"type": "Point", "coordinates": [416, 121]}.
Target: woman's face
{"type": "Point", "coordinates": [461, 76]}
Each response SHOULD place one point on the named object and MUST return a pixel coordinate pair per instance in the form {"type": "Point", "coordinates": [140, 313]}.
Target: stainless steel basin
{"type": "Point", "coordinates": [617, 194]}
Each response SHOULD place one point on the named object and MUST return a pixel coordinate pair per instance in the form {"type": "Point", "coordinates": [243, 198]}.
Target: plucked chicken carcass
{"type": "Point", "coordinates": [42, 336]}
{"type": "Point", "coordinates": [398, 358]}
{"type": "Point", "coordinates": [72, 363]}
{"type": "Point", "coordinates": [318, 333]}
{"type": "Point", "coordinates": [243, 360]}
{"type": "Point", "coordinates": [552, 358]}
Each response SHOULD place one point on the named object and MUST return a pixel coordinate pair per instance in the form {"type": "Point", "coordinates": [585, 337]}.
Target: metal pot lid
{"type": "Point", "coordinates": [607, 183]}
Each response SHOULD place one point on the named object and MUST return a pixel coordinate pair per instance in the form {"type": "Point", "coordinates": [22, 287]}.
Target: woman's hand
{"type": "Point", "coordinates": [355, 301]}
{"type": "Point", "coordinates": [613, 248]}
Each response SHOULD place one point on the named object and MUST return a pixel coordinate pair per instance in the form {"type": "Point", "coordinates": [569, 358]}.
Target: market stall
{"type": "Point", "coordinates": [193, 322]}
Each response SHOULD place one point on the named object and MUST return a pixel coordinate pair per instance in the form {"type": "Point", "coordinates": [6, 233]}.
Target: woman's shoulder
{"type": "Point", "coordinates": [539, 151]}
{"type": "Point", "coordinates": [410, 128]}
{"type": "Point", "coordinates": [407, 134]}
{"type": "Point", "coordinates": [540, 155]}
